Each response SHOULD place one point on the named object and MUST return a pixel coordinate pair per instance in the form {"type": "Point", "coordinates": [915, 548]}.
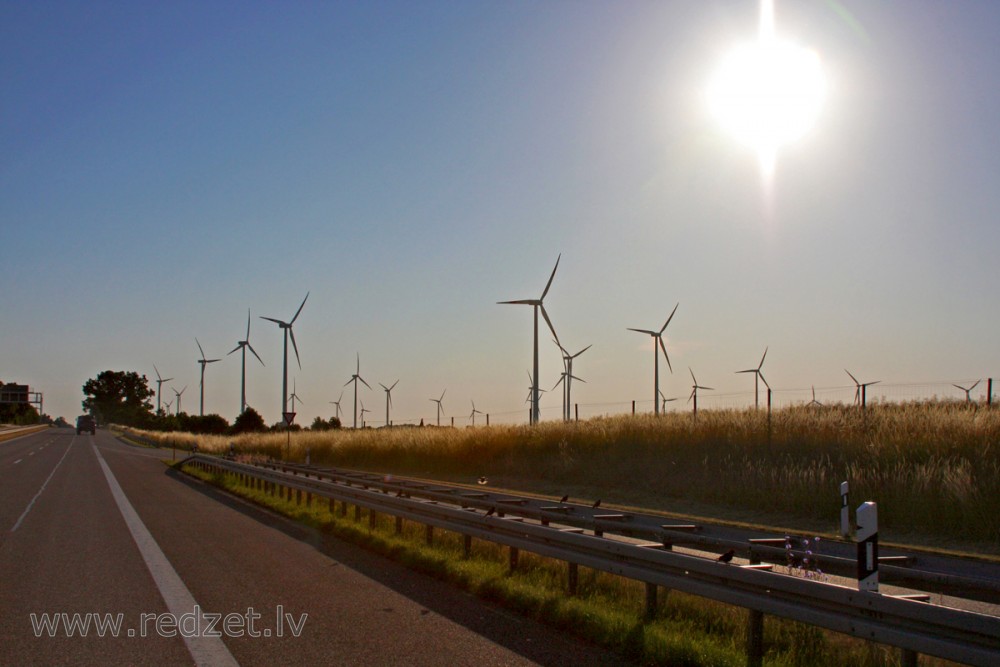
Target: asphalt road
{"type": "Point", "coordinates": [95, 527]}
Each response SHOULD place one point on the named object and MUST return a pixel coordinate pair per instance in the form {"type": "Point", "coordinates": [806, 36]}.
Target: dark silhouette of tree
{"type": "Point", "coordinates": [249, 422]}
{"type": "Point", "coordinates": [119, 397]}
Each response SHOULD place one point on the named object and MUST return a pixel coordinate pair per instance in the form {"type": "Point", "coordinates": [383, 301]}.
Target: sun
{"type": "Point", "coordinates": [769, 92]}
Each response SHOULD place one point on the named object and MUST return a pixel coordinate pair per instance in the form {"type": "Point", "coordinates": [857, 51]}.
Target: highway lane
{"type": "Point", "coordinates": [73, 552]}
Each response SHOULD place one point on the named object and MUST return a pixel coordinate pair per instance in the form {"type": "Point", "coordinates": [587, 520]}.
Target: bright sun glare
{"type": "Point", "coordinates": [769, 92]}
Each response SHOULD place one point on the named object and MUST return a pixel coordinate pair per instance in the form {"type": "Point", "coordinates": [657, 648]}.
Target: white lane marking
{"type": "Point", "coordinates": [28, 508]}
{"type": "Point", "coordinates": [204, 650]}
{"type": "Point", "coordinates": [18, 461]}
{"type": "Point", "coordinates": [31, 453]}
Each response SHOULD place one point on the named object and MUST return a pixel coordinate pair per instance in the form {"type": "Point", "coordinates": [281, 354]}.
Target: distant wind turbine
{"type": "Point", "coordinates": [663, 397]}
{"type": "Point", "coordinates": [658, 341]}
{"type": "Point", "coordinates": [294, 397]}
{"type": "Point", "coordinates": [388, 398]}
{"type": "Point", "coordinates": [287, 327]}
{"type": "Point", "coordinates": [244, 344]}
{"type": "Point", "coordinates": [363, 411]}
{"type": "Point", "coordinates": [538, 305]}
{"type": "Point", "coordinates": [567, 377]}
{"type": "Point", "coordinates": [758, 377]}
{"type": "Point", "coordinates": [531, 388]}
{"type": "Point", "coordinates": [168, 404]}
{"type": "Point", "coordinates": [204, 362]}
{"type": "Point", "coordinates": [860, 389]}
{"type": "Point", "coordinates": [159, 386]}
{"type": "Point", "coordinates": [814, 401]}
{"type": "Point", "coordinates": [474, 412]}
{"type": "Point", "coordinates": [337, 403]}
{"type": "Point", "coordinates": [968, 392]}
{"type": "Point", "coordinates": [694, 391]}
{"type": "Point", "coordinates": [355, 378]}
{"type": "Point", "coordinates": [440, 410]}
{"type": "Point", "coordinates": [178, 394]}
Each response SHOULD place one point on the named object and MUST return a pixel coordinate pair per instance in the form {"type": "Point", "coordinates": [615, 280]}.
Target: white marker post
{"type": "Point", "coordinates": [867, 538]}
{"type": "Point", "coordinates": [845, 512]}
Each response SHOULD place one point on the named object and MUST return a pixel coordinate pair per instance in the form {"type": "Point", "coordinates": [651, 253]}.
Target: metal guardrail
{"type": "Point", "coordinates": [916, 627]}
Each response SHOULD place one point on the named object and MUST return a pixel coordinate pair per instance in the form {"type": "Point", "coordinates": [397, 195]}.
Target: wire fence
{"type": "Point", "coordinates": [879, 393]}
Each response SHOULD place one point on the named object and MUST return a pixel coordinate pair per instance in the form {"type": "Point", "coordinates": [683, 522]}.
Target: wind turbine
{"type": "Point", "coordinates": [474, 412]}
{"type": "Point", "coordinates": [567, 376]}
{"type": "Point", "coordinates": [363, 411]}
{"type": "Point", "coordinates": [538, 305]}
{"type": "Point", "coordinates": [244, 344]}
{"type": "Point", "coordinates": [337, 403]}
{"type": "Point", "coordinates": [694, 391]}
{"type": "Point", "coordinates": [168, 404]}
{"type": "Point", "coordinates": [204, 362]}
{"type": "Point", "coordinates": [388, 398]}
{"type": "Point", "coordinates": [354, 379]}
{"type": "Point", "coordinates": [531, 388]}
{"type": "Point", "coordinates": [658, 340]}
{"type": "Point", "coordinates": [758, 376]}
{"type": "Point", "coordinates": [814, 401]}
{"type": "Point", "coordinates": [178, 394]}
{"type": "Point", "coordinates": [440, 406]}
{"type": "Point", "coordinates": [159, 385]}
{"type": "Point", "coordinates": [860, 389]}
{"type": "Point", "coordinates": [968, 392]}
{"type": "Point", "coordinates": [663, 397]}
{"type": "Point", "coordinates": [287, 327]}
{"type": "Point", "coordinates": [293, 396]}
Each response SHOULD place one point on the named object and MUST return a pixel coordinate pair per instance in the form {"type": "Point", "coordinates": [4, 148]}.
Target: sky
{"type": "Point", "coordinates": [164, 167]}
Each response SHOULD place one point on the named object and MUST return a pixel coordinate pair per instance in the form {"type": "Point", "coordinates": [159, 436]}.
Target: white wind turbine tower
{"type": "Point", "coordinates": [658, 341]}
{"type": "Point", "coordinates": [337, 404]}
{"type": "Point", "coordinates": [440, 406]}
{"type": "Point", "coordinates": [472, 415]}
{"type": "Point", "coordinates": [758, 376]}
{"type": "Point", "coordinates": [538, 305]}
{"type": "Point", "coordinates": [354, 379]}
{"type": "Point", "coordinates": [159, 386]}
{"type": "Point", "coordinates": [566, 378]}
{"type": "Point", "coordinates": [287, 327]}
{"type": "Point", "coordinates": [178, 394]}
{"type": "Point", "coordinates": [204, 362]}
{"type": "Point", "coordinates": [244, 344]}
{"type": "Point", "coordinates": [388, 398]}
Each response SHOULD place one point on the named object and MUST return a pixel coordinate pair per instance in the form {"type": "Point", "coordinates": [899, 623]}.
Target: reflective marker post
{"type": "Point", "coordinates": [867, 538]}
{"type": "Point", "coordinates": [845, 512]}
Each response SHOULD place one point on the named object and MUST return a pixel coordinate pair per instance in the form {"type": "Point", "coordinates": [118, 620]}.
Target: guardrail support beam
{"type": "Point", "coordinates": [466, 546]}
{"type": "Point", "coordinates": [650, 601]}
{"type": "Point", "coordinates": [755, 638]}
{"type": "Point", "coordinates": [430, 535]}
{"type": "Point", "coordinates": [399, 525]}
{"type": "Point", "coordinates": [908, 658]}
{"type": "Point", "coordinates": [514, 553]}
{"type": "Point", "coordinates": [574, 578]}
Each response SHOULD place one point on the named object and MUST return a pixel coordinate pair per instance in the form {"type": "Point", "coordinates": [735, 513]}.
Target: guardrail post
{"type": "Point", "coordinates": [343, 508]}
{"type": "Point", "coordinates": [573, 582]}
{"type": "Point", "coordinates": [867, 538]}
{"type": "Point", "coordinates": [430, 535]}
{"type": "Point", "coordinates": [466, 546]}
{"type": "Point", "coordinates": [372, 519]}
{"type": "Point", "coordinates": [845, 511]}
{"type": "Point", "coordinates": [908, 658]}
{"type": "Point", "coordinates": [513, 559]}
{"type": "Point", "coordinates": [650, 601]}
{"type": "Point", "coordinates": [755, 638]}
{"type": "Point", "coordinates": [399, 525]}
{"type": "Point", "coordinates": [357, 512]}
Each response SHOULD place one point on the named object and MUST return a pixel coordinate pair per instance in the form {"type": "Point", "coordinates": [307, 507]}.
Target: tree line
{"type": "Point", "coordinates": [125, 398]}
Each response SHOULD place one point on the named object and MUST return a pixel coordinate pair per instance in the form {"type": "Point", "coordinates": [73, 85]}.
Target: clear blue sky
{"type": "Point", "coordinates": [166, 166]}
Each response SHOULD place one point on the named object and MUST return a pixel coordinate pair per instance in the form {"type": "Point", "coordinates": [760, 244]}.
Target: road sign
{"type": "Point", "coordinates": [289, 417]}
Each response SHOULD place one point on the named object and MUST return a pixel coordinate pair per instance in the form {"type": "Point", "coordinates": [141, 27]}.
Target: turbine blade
{"type": "Point", "coordinates": [347, 383]}
{"type": "Point", "coordinates": [548, 321]}
{"type": "Point", "coordinates": [582, 351]}
{"type": "Point", "coordinates": [761, 364]}
{"type": "Point", "coordinates": [577, 379]}
{"type": "Point", "coordinates": [749, 370]}
{"type": "Point", "coordinates": [271, 319]}
{"type": "Point", "coordinates": [549, 284]}
{"type": "Point", "coordinates": [255, 353]}
{"type": "Point", "coordinates": [393, 385]}
{"type": "Point", "coordinates": [442, 395]}
{"type": "Point", "coordinates": [199, 349]}
{"type": "Point", "coordinates": [664, 327]}
{"type": "Point", "coordinates": [974, 386]}
{"type": "Point", "coordinates": [238, 346]}
{"type": "Point", "coordinates": [665, 355]}
{"type": "Point", "coordinates": [157, 373]}
{"type": "Point", "coordinates": [761, 376]}
{"type": "Point", "coordinates": [645, 331]}
{"type": "Point", "coordinates": [695, 380]}
{"type": "Point", "coordinates": [299, 310]}
{"type": "Point", "coordinates": [558, 382]}
{"type": "Point", "coordinates": [526, 302]}
{"type": "Point", "coordinates": [852, 377]}
{"type": "Point", "coordinates": [384, 387]}
{"type": "Point", "coordinates": [248, 324]}
{"type": "Point", "coordinates": [363, 382]}
{"type": "Point", "coordinates": [295, 347]}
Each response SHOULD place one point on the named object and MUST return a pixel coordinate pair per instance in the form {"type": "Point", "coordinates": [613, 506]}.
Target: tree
{"type": "Point", "coordinates": [119, 397]}
{"type": "Point", "coordinates": [21, 414]}
{"type": "Point", "coordinates": [249, 422]}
